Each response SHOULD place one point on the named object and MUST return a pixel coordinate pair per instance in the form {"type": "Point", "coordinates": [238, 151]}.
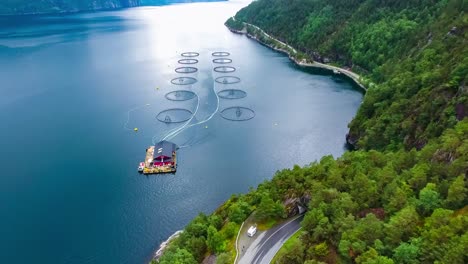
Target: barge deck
{"type": "Point", "coordinates": [150, 168]}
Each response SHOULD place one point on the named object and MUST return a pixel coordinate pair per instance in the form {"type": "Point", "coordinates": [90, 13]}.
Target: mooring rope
{"type": "Point", "coordinates": [201, 122]}
{"type": "Point", "coordinates": [128, 115]}
{"type": "Point", "coordinates": [171, 132]}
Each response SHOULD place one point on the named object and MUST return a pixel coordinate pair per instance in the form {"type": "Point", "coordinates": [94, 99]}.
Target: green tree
{"type": "Point", "coordinates": [372, 257]}
{"type": "Point", "coordinates": [319, 250]}
{"type": "Point", "coordinates": [215, 241]}
{"type": "Point", "coordinates": [179, 256]}
{"type": "Point", "coordinates": [316, 225]}
{"type": "Point", "coordinates": [268, 209]}
{"type": "Point", "coordinates": [196, 229]}
{"type": "Point", "coordinates": [444, 237]}
{"type": "Point", "coordinates": [196, 246]}
{"type": "Point", "coordinates": [224, 258]}
{"type": "Point", "coordinates": [457, 193]}
{"type": "Point", "coordinates": [396, 196]}
{"type": "Point", "coordinates": [295, 255]}
{"type": "Point", "coordinates": [379, 260]}
{"type": "Point", "coordinates": [407, 253]}
{"type": "Point", "coordinates": [239, 211]}
{"type": "Point", "coordinates": [313, 261]}
{"type": "Point", "coordinates": [364, 191]}
{"type": "Point", "coordinates": [418, 178]}
{"type": "Point", "coordinates": [357, 240]}
{"type": "Point", "coordinates": [402, 226]}
{"type": "Point", "coordinates": [230, 230]}
{"type": "Point", "coordinates": [216, 221]}
{"type": "Point", "coordinates": [429, 199]}
{"type": "Point", "coordinates": [198, 226]}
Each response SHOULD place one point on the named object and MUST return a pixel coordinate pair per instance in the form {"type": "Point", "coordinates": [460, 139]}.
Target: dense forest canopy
{"type": "Point", "coordinates": [364, 207]}
{"type": "Point", "coordinates": [402, 196]}
{"type": "Point", "coordinates": [416, 51]}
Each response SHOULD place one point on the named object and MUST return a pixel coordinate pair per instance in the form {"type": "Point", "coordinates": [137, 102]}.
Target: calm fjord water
{"type": "Point", "coordinates": [69, 190]}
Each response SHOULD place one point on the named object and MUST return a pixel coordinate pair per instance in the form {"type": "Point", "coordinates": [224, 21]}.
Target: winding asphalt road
{"type": "Point", "coordinates": [264, 247]}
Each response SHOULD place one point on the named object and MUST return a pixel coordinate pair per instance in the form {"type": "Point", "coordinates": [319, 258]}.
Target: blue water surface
{"type": "Point", "coordinates": [69, 189]}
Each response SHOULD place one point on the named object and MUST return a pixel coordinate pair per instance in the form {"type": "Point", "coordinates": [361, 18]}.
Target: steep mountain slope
{"type": "Point", "coordinates": [416, 51]}
{"type": "Point", "coordinates": [364, 207]}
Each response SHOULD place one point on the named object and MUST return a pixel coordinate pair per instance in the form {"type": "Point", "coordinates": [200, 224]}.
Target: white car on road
{"type": "Point", "coordinates": [252, 230]}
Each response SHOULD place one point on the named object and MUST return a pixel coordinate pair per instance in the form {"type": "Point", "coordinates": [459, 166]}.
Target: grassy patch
{"type": "Point", "coordinates": [287, 246]}
{"type": "Point", "coordinates": [267, 224]}
{"type": "Point", "coordinates": [462, 211]}
{"type": "Point", "coordinates": [231, 243]}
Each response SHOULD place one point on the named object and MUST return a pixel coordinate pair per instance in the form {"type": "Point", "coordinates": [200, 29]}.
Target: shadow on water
{"type": "Point", "coordinates": [42, 31]}
{"type": "Point", "coordinates": [338, 78]}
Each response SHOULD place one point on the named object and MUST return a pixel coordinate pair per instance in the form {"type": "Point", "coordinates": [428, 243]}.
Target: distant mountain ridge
{"type": "Point", "coordinates": [23, 7]}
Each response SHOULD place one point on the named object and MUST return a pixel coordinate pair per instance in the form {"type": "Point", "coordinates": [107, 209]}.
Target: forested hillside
{"type": "Point", "coordinates": [402, 196]}
{"type": "Point", "coordinates": [19, 7]}
{"type": "Point", "coordinates": [416, 51]}
{"type": "Point", "coordinates": [365, 207]}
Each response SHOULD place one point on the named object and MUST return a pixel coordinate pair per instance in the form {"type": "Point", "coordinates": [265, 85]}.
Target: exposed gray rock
{"type": "Point", "coordinates": [296, 205]}
{"type": "Point", "coordinates": [351, 140]}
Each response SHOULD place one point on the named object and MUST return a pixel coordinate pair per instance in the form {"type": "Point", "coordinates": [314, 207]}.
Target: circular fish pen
{"type": "Point", "coordinates": [180, 95]}
{"type": "Point", "coordinates": [224, 69]}
{"type": "Point", "coordinates": [174, 115]}
{"type": "Point", "coordinates": [190, 54]}
{"type": "Point", "coordinates": [187, 61]}
{"type": "Point", "coordinates": [237, 113]}
{"type": "Point", "coordinates": [183, 80]}
{"type": "Point", "coordinates": [220, 54]}
{"type": "Point", "coordinates": [186, 70]}
{"type": "Point", "coordinates": [227, 80]}
{"type": "Point", "coordinates": [222, 60]}
{"type": "Point", "coordinates": [232, 94]}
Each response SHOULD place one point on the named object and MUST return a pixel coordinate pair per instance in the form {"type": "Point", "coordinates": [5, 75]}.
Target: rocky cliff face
{"type": "Point", "coordinates": [20, 7]}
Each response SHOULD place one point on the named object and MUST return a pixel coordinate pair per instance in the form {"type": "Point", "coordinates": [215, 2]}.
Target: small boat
{"type": "Point", "coordinates": [335, 71]}
{"type": "Point", "coordinates": [141, 167]}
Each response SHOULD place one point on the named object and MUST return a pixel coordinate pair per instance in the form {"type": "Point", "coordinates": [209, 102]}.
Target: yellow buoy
{"type": "Point", "coordinates": [135, 129]}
